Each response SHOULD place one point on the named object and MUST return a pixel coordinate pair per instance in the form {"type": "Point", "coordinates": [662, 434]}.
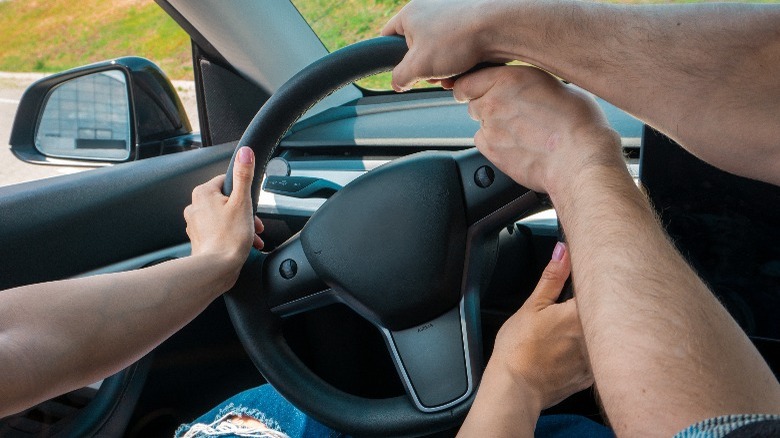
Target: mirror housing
{"type": "Point", "coordinates": [83, 117]}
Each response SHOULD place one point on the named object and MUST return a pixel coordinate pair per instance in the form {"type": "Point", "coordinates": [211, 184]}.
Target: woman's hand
{"type": "Point", "coordinates": [538, 360]}
{"type": "Point", "coordinates": [225, 228]}
{"type": "Point", "coordinates": [542, 346]}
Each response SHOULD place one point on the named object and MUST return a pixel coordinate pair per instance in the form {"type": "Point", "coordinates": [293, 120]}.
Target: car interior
{"type": "Point", "coordinates": [387, 235]}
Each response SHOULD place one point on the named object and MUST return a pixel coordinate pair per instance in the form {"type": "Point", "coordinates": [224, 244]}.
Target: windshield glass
{"type": "Point", "coordinates": [340, 23]}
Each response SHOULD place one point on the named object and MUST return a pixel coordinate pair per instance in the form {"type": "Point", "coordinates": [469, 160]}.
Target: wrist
{"type": "Point", "coordinates": [516, 387]}
{"type": "Point", "coordinates": [501, 407]}
{"type": "Point", "coordinates": [221, 270]}
{"type": "Point", "coordinates": [599, 159]}
{"type": "Point", "coordinates": [500, 29]}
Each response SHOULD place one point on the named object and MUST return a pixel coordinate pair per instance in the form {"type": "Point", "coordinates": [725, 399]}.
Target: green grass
{"type": "Point", "coordinates": [55, 35]}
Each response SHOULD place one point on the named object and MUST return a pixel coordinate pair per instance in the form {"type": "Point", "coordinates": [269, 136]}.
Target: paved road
{"type": "Point", "coordinates": [13, 170]}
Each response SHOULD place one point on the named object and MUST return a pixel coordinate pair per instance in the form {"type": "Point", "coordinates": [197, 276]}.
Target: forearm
{"type": "Point", "coordinates": [503, 407]}
{"type": "Point", "coordinates": [63, 335]}
{"type": "Point", "coordinates": [654, 331]}
{"type": "Point", "coordinates": [705, 75]}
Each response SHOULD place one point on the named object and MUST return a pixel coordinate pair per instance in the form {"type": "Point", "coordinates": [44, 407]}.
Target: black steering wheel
{"type": "Point", "coordinates": [409, 246]}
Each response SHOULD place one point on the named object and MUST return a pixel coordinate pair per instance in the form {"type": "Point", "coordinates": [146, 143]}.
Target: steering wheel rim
{"type": "Point", "coordinates": [255, 318]}
{"type": "Point", "coordinates": [307, 88]}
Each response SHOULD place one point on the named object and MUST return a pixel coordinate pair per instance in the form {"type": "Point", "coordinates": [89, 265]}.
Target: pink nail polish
{"type": "Point", "coordinates": [245, 155]}
{"type": "Point", "coordinates": [560, 249]}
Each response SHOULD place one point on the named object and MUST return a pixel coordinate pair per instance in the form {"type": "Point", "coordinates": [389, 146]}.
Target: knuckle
{"type": "Point", "coordinates": [472, 110]}
{"type": "Point", "coordinates": [198, 191]}
{"type": "Point", "coordinates": [552, 272]}
{"type": "Point", "coordinates": [243, 173]}
{"type": "Point", "coordinates": [489, 109]}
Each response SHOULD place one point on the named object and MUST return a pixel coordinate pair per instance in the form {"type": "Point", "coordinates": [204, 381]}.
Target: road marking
{"type": "Point", "coordinates": [14, 101]}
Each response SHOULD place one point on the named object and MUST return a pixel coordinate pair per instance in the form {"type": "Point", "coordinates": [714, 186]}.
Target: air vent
{"type": "Point", "coordinates": [48, 417]}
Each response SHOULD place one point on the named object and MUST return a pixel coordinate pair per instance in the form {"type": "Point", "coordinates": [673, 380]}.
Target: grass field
{"type": "Point", "coordinates": [54, 35]}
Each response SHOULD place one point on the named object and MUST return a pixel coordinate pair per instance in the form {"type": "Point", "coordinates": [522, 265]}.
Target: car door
{"type": "Point", "coordinates": [110, 219]}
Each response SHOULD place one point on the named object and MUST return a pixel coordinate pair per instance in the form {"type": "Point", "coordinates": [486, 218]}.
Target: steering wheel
{"type": "Point", "coordinates": [409, 246]}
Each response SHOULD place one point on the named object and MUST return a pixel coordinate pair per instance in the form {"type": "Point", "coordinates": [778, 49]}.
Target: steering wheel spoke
{"type": "Point", "coordinates": [290, 283]}
{"type": "Point", "coordinates": [490, 196]}
{"type": "Point", "coordinates": [438, 361]}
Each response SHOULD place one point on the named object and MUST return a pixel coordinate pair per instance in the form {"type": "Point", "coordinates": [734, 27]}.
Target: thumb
{"type": "Point", "coordinates": [243, 171]}
{"type": "Point", "coordinates": [554, 276]}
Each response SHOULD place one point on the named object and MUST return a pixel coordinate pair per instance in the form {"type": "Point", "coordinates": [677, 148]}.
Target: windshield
{"type": "Point", "coordinates": [340, 23]}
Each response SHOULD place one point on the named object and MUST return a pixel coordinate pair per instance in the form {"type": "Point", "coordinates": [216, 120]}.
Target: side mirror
{"type": "Point", "coordinates": [109, 112]}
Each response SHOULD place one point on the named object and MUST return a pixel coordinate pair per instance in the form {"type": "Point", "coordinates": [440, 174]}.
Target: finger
{"type": "Point", "coordinates": [209, 187]}
{"type": "Point", "coordinates": [394, 26]}
{"type": "Point", "coordinates": [243, 171]}
{"type": "Point", "coordinates": [403, 78]}
{"type": "Point", "coordinates": [258, 243]}
{"type": "Point", "coordinates": [474, 85]}
{"type": "Point", "coordinates": [259, 227]}
{"type": "Point", "coordinates": [554, 276]}
{"type": "Point", "coordinates": [447, 84]}
{"type": "Point", "coordinates": [481, 144]}
{"type": "Point", "coordinates": [216, 181]}
{"type": "Point", "coordinates": [471, 109]}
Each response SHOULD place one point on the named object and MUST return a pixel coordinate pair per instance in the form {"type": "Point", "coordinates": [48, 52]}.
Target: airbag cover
{"type": "Point", "coordinates": [392, 243]}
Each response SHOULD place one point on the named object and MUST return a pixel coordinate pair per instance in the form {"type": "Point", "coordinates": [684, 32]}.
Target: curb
{"type": "Point", "coordinates": [32, 77]}
{"type": "Point", "coordinates": [22, 76]}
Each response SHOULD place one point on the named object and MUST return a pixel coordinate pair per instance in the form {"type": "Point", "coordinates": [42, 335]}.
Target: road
{"type": "Point", "coordinates": [13, 170]}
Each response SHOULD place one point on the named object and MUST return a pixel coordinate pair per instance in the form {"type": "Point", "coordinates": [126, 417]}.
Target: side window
{"type": "Point", "coordinates": [41, 44]}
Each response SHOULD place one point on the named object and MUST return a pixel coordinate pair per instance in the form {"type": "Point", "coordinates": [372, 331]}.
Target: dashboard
{"type": "Point", "coordinates": [388, 127]}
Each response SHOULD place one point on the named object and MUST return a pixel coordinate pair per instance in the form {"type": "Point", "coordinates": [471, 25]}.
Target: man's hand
{"type": "Point", "coordinates": [445, 38]}
{"type": "Point", "coordinates": [540, 132]}
{"type": "Point", "coordinates": [542, 345]}
{"type": "Point", "coordinates": [222, 227]}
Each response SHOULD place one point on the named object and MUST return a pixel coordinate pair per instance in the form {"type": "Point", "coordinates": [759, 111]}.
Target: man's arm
{"type": "Point", "coordinates": [705, 75]}
{"type": "Point", "coordinates": [538, 360]}
{"type": "Point", "coordinates": [664, 352]}
{"type": "Point", "coordinates": [63, 335]}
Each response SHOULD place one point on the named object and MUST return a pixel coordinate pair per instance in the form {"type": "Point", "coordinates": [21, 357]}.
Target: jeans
{"type": "Point", "coordinates": [263, 404]}
{"type": "Point", "coordinates": [283, 419]}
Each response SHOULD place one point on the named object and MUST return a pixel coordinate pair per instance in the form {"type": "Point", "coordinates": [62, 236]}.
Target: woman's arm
{"type": "Point", "coordinates": [63, 335]}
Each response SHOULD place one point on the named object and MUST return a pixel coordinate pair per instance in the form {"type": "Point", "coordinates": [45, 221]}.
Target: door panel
{"type": "Point", "coordinates": [65, 226]}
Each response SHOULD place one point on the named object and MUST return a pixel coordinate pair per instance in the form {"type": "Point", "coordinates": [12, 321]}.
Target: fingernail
{"type": "Point", "coordinates": [245, 155]}
{"type": "Point", "coordinates": [560, 249]}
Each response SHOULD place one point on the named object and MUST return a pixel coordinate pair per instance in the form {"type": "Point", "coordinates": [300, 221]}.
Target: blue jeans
{"type": "Point", "coordinates": [570, 425]}
{"type": "Point", "coordinates": [265, 405]}
{"type": "Point", "coordinates": [270, 408]}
